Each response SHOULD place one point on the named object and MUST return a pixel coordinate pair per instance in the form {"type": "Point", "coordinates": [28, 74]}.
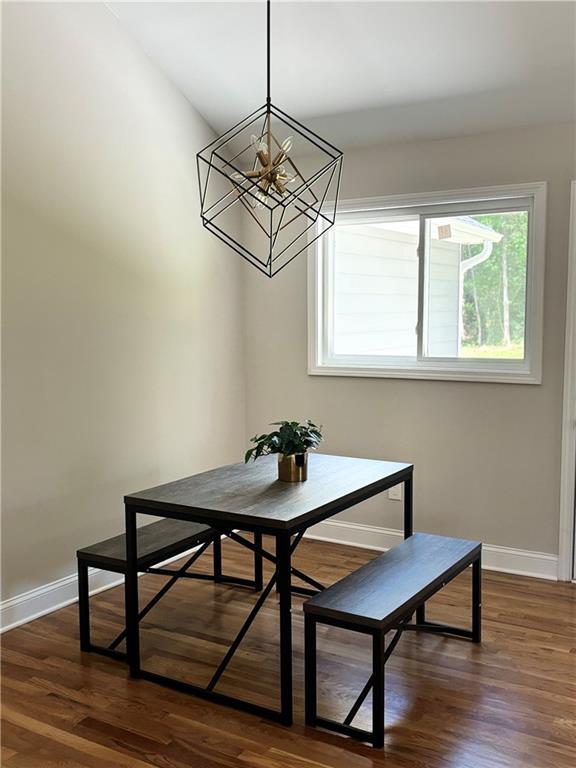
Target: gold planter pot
{"type": "Point", "coordinates": [294, 468]}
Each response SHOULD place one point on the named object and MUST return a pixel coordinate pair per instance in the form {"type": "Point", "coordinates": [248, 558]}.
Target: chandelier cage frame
{"type": "Point", "coordinates": [280, 222]}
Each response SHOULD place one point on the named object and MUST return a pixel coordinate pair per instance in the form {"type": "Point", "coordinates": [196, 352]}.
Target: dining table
{"type": "Point", "coordinates": [241, 498]}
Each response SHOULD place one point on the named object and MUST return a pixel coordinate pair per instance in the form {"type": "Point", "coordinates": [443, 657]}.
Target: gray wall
{"type": "Point", "coordinates": [486, 455]}
{"type": "Point", "coordinates": [125, 325]}
{"type": "Point", "coordinates": [122, 346]}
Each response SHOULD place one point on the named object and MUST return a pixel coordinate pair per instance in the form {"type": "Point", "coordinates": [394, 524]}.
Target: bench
{"type": "Point", "coordinates": [157, 543]}
{"type": "Point", "coordinates": [384, 595]}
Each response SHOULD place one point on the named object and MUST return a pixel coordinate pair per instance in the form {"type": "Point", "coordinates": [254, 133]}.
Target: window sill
{"type": "Point", "coordinates": [515, 374]}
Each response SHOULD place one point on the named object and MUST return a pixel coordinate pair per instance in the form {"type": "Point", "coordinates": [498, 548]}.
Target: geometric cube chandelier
{"type": "Point", "coordinates": [269, 186]}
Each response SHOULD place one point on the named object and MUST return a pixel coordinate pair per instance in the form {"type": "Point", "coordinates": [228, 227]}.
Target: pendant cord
{"type": "Point", "coordinates": [268, 51]}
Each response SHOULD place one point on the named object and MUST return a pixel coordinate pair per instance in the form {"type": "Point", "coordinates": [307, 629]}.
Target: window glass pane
{"type": "Point", "coordinates": [476, 285]}
{"type": "Point", "coordinates": [375, 295]}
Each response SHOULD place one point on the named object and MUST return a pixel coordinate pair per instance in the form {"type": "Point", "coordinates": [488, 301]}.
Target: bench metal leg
{"type": "Point", "coordinates": [175, 575]}
{"type": "Point", "coordinates": [86, 644]}
{"type": "Point", "coordinates": [477, 600]}
{"type": "Point", "coordinates": [474, 634]}
{"type": "Point", "coordinates": [378, 661]}
{"type": "Point", "coordinates": [84, 606]}
{"type": "Point", "coordinates": [217, 575]}
{"type": "Point", "coordinates": [368, 687]}
{"type": "Point", "coordinates": [257, 583]}
{"type": "Point", "coordinates": [181, 572]}
{"type": "Point", "coordinates": [380, 655]}
{"type": "Point", "coordinates": [310, 698]}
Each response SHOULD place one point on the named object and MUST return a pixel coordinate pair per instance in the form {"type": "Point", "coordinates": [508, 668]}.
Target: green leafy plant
{"type": "Point", "coordinates": [291, 437]}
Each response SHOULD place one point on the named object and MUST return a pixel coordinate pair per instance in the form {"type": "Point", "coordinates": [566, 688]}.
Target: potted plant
{"type": "Point", "coordinates": [291, 441]}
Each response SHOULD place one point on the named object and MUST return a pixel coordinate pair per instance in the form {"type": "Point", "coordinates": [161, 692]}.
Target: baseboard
{"type": "Point", "coordinates": [58, 594]}
{"type": "Point", "coordinates": [540, 565]}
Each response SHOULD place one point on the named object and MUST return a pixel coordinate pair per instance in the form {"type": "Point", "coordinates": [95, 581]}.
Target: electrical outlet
{"type": "Point", "coordinates": [396, 493]}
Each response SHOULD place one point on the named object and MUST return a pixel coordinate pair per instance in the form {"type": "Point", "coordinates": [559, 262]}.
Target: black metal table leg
{"type": "Point", "coordinates": [285, 548]}
{"type": "Point", "coordinates": [477, 600]}
{"type": "Point", "coordinates": [283, 555]}
{"type": "Point", "coordinates": [421, 614]}
{"type": "Point", "coordinates": [258, 572]}
{"type": "Point", "coordinates": [217, 553]}
{"type": "Point", "coordinates": [241, 634]}
{"type": "Point", "coordinates": [131, 594]}
{"type": "Point", "coordinates": [408, 507]}
{"type": "Point", "coordinates": [409, 530]}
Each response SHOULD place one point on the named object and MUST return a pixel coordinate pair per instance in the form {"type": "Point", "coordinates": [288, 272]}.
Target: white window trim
{"type": "Point", "coordinates": [527, 371]}
{"type": "Point", "coordinates": [567, 546]}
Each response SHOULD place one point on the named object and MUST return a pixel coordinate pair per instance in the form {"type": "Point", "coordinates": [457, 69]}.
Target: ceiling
{"type": "Point", "coordinates": [365, 72]}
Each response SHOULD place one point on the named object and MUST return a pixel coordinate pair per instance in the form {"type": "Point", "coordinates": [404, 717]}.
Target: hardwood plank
{"type": "Point", "coordinates": [509, 703]}
{"type": "Point", "coordinates": [67, 738]}
{"type": "Point", "coordinates": [6, 753]}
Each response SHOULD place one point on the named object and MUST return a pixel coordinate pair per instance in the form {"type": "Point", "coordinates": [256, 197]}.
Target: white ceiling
{"type": "Point", "coordinates": [363, 72]}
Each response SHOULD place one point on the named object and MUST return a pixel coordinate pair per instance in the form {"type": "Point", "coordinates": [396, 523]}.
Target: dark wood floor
{"type": "Point", "coordinates": [510, 702]}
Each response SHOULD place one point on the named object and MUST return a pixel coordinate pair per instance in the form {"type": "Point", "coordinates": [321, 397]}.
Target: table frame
{"type": "Point", "coordinates": [282, 578]}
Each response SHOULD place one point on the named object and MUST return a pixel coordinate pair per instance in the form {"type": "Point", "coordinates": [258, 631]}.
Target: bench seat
{"type": "Point", "coordinates": [382, 595]}
{"type": "Point", "coordinates": [156, 542]}
{"type": "Point", "coordinates": [393, 585]}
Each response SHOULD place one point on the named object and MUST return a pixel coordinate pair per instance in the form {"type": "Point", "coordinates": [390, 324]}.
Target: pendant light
{"type": "Point", "coordinates": [269, 185]}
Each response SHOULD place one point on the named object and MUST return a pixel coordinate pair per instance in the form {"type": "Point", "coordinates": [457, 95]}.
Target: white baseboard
{"type": "Point", "coordinates": [58, 594]}
{"type": "Point", "coordinates": [494, 558]}
{"type": "Point", "coordinates": [50, 597]}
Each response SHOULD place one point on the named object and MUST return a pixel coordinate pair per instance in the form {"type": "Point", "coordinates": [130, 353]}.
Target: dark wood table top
{"type": "Point", "coordinates": [250, 495]}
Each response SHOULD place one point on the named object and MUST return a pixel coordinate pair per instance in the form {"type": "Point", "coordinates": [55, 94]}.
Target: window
{"type": "Point", "coordinates": [438, 286]}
